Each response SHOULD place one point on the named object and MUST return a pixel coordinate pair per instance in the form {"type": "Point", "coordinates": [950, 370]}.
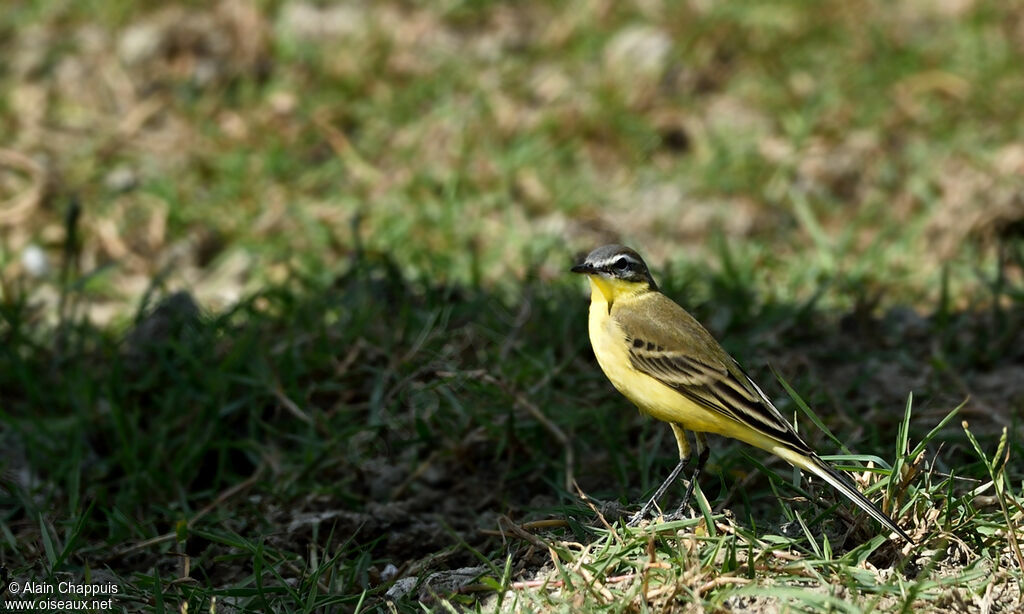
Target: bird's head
{"type": "Point", "coordinates": [616, 270]}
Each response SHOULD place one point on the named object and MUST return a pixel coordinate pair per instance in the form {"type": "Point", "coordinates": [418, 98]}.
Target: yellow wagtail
{"type": "Point", "coordinates": [664, 361]}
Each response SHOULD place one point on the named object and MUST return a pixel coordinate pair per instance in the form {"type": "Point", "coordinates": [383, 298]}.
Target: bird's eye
{"type": "Point", "coordinates": [621, 264]}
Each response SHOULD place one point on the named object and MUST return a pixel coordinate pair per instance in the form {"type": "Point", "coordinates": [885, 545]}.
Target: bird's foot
{"type": "Point", "coordinates": [637, 518]}
{"type": "Point", "coordinates": [683, 513]}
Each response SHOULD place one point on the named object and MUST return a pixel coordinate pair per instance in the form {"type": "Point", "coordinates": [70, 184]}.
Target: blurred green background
{"type": "Point", "coordinates": [271, 267]}
{"type": "Point", "coordinates": [224, 146]}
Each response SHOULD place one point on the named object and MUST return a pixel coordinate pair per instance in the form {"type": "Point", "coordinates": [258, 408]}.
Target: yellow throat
{"type": "Point", "coordinates": [606, 290]}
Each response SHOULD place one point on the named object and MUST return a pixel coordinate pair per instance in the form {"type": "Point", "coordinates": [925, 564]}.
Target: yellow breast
{"type": "Point", "coordinates": [648, 394]}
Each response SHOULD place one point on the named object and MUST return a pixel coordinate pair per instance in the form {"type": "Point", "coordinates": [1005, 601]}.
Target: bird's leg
{"type": "Point", "coordinates": [637, 517]}
{"type": "Point", "coordinates": [703, 452]}
{"type": "Point", "coordinates": [684, 460]}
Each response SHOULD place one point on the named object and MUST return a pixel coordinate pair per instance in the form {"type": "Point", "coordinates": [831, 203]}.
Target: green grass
{"type": "Point", "coordinates": [287, 450]}
{"type": "Point", "coordinates": [385, 376]}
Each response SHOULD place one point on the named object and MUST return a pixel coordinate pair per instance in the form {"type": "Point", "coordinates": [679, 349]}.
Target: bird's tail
{"type": "Point", "coordinates": [823, 470]}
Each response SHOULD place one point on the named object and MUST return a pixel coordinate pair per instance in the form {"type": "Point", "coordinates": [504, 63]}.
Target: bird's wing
{"type": "Point", "coordinates": [668, 344]}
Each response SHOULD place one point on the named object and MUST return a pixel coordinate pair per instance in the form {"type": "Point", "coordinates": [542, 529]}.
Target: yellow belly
{"type": "Point", "coordinates": [651, 396]}
{"type": "Point", "coordinates": [648, 394]}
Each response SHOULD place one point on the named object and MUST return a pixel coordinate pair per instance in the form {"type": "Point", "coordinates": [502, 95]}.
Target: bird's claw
{"type": "Point", "coordinates": [682, 513]}
{"type": "Point", "coordinates": [636, 518]}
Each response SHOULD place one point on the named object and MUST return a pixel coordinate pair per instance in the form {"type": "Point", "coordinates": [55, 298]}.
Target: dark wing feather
{"type": "Point", "coordinates": [688, 359]}
{"type": "Point", "coordinates": [668, 344]}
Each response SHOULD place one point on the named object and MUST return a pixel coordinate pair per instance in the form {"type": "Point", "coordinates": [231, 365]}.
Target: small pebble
{"type": "Point", "coordinates": [120, 179]}
{"type": "Point", "coordinates": [35, 261]}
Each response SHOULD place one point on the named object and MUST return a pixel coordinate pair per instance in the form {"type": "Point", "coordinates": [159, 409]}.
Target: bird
{"type": "Point", "coordinates": [663, 360]}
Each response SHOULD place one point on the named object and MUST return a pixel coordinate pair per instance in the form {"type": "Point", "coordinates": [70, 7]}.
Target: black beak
{"type": "Point", "coordinates": [582, 267]}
